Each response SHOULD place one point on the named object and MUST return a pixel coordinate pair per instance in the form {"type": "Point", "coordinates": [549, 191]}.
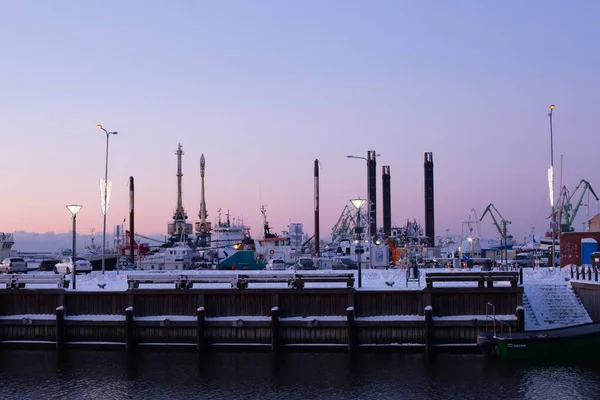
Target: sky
{"type": "Point", "coordinates": [263, 88]}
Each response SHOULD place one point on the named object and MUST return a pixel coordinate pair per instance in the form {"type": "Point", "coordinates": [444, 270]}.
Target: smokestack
{"type": "Point", "coordinates": [387, 201]}
{"type": "Point", "coordinates": [429, 217]}
{"type": "Point", "coordinates": [317, 237]}
{"type": "Point", "coordinates": [131, 231]}
{"type": "Point", "coordinates": [372, 192]}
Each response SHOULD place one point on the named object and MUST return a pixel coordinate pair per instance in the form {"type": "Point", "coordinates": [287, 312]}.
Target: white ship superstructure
{"type": "Point", "coordinates": [6, 244]}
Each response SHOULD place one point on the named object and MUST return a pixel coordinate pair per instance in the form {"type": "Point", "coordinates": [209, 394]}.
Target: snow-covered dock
{"type": "Point", "coordinates": [386, 312]}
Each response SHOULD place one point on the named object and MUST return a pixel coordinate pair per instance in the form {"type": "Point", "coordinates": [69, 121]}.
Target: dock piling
{"type": "Point", "coordinates": [200, 329]}
{"type": "Point", "coordinates": [520, 319]}
{"type": "Point", "coordinates": [274, 329]}
{"type": "Point", "coordinates": [60, 327]}
{"type": "Point", "coordinates": [129, 337]}
{"type": "Point", "coordinates": [351, 330]}
{"type": "Point", "coordinates": [521, 276]}
{"type": "Point", "coordinates": [429, 330]}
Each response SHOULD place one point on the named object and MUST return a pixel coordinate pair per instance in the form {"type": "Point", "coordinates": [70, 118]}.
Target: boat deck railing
{"type": "Point", "coordinates": [500, 327]}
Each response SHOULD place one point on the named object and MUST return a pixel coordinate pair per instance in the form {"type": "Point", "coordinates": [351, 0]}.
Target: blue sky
{"type": "Point", "coordinates": [263, 88]}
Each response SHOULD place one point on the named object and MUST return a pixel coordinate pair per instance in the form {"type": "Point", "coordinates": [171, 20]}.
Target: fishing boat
{"type": "Point", "coordinates": [577, 341]}
{"type": "Point", "coordinates": [232, 247]}
{"type": "Point", "coordinates": [287, 246]}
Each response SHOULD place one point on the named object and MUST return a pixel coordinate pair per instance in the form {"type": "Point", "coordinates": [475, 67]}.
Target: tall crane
{"type": "Point", "coordinates": [567, 211]}
{"type": "Point", "coordinates": [501, 229]}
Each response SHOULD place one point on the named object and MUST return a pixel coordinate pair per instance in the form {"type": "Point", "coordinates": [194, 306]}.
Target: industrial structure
{"type": "Point", "coordinates": [429, 210]}
{"type": "Point", "coordinates": [386, 200]}
{"type": "Point", "coordinates": [179, 229]}
{"type": "Point", "coordinates": [203, 227]}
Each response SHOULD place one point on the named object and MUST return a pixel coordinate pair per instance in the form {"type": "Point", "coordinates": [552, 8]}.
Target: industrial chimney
{"type": "Point", "coordinates": [372, 192]}
{"type": "Point", "coordinates": [429, 215]}
{"type": "Point", "coordinates": [317, 238]}
{"type": "Point", "coordinates": [387, 201]}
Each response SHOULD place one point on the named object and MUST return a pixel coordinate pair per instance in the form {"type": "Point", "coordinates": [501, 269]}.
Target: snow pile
{"type": "Point", "coordinates": [549, 300]}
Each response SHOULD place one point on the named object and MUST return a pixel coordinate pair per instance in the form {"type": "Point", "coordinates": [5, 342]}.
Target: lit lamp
{"type": "Point", "coordinates": [74, 209]}
{"type": "Point", "coordinates": [105, 192]}
{"type": "Point", "coordinates": [553, 223]}
{"type": "Point", "coordinates": [358, 203]}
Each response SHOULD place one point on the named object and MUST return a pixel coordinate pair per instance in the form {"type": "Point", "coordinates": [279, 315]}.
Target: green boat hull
{"type": "Point", "coordinates": [580, 341]}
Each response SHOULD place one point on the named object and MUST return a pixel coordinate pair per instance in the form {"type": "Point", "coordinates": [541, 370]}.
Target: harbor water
{"type": "Point", "coordinates": [82, 374]}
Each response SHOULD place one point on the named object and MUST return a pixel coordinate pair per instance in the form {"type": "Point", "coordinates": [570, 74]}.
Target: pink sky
{"type": "Point", "coordinates": [264, 89]}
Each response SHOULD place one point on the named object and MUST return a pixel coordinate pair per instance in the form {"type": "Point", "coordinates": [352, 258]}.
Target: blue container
{"type": "Point", "coordinates": [588, 246]}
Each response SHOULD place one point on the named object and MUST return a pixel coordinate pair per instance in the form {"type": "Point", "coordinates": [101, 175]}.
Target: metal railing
{"type": "Point", "coordinates": [585, 273]}
{"type": "Point", "coordinates": [493, 318]}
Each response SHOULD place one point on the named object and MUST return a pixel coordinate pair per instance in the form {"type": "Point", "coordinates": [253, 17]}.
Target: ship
{"type": "Point", "coordinates": [6, 243]}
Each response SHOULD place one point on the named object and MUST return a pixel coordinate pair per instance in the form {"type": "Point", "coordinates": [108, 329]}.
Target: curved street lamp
{"type": "Point", "coordinates": [74, 209]}
{"type": "Point", "coordinates": [358, 203]}
{"type": "Point", "coordinates": [105, 194]}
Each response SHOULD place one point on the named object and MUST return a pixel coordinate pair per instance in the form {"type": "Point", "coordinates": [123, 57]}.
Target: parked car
{"type": "Point", "coordinates": [344, 263]}
{"type": "Point", "coordinates": [275, 265]}
{"type": "Point", "coordinates": [66, 265]}
{"type": "Point", "coordinates": [13, 264]}
{"type": "Point", "coordinates": [305, 263]}
{"type": "Point", "coordinates": [48, 265]}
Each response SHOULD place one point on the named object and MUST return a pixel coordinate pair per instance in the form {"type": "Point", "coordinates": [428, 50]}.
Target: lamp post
{"type": "Point", "coordinates": [358, 203]}
{"type": "Point", "coordinates": [551, 185]}
{"type": "Point", "coordinates": [369, 233]}
{"type": "Point", "coordinates": [105, 194]}
{"type": "Point", "coordinates": [74, 209]}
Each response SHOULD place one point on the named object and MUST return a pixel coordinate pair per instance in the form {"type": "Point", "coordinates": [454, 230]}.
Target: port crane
{"type": "Point", "coordinates": [566, 212]}
{"type": "Point", "coordinates": [500, 226]}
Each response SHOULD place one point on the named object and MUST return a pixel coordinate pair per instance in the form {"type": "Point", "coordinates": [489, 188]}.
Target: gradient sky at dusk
{"type": "Point", "coordinates": [263, 88]}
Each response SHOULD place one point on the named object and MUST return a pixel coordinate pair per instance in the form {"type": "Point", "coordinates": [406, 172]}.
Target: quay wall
{"type": "Point", "coordinates": [589, 294]}
{"type": "Point", "coordinates": [270, 319]}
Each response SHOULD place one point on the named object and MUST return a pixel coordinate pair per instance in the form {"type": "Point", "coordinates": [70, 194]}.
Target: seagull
{"type": "Point", "coordinates": [390, 283]}
{"type": "Point", "coordinates": [102, 285]}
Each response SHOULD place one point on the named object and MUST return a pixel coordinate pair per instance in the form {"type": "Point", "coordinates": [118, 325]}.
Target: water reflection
{"type": "Point", "coordinates": [183, 375]}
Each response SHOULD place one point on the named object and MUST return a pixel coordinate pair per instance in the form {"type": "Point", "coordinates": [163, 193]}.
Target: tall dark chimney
{"type": "Point", "coordinates": [372, 191]}
{"type": "Point", "coordinates": [429, 217]}
{"type": "Point", "coordinates": [317, 237]}
{"type": "Point", "coordinates": [131, 226]}
{"type": "Point", "coordinates": [387, 201]}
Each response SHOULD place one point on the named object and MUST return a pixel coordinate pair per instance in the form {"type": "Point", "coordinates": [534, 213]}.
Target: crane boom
{"type": "Point", "coordinates": [569, 213]}
{"type": "Point", "coordinates": [502, 230]}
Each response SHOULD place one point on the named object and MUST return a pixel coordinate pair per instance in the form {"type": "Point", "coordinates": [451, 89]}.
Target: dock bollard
{"type": "Point", "coordinates": [520, 319]}
{"type": "Point", "coordinates": [521, 276]}
{"type": "Point", "coordinates": [200, 329]}
{"type": "Point", "coordinates": [129, 329]}
{"type": "Point", "coordinates": [274, 329]}
{"type": "Point", "coordinates": [351, 329]}
{"type": "Point", "coordinates": [60, 327]}
{"type": "Point", "coordinates": [429, 330]}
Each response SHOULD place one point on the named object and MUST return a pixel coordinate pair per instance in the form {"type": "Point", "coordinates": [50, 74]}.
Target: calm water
{"type": "Point", "coordinates": [179, 375]}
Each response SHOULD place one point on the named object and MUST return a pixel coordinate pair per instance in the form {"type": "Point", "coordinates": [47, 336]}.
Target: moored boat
{"type": "Point", "coordinates": [577, 341]}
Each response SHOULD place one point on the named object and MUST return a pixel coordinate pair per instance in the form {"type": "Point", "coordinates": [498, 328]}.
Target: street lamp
{"type": "Point", "coordinates": [369, 233]}
{"type": "Point", "coordinates": [358, 203]}
{"type": "Point", "coordinates": [105, 193]}
{"type": "Point", "coordinates": [551, 187]}
{"type": "Point", "coordinates": [74, 209]}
